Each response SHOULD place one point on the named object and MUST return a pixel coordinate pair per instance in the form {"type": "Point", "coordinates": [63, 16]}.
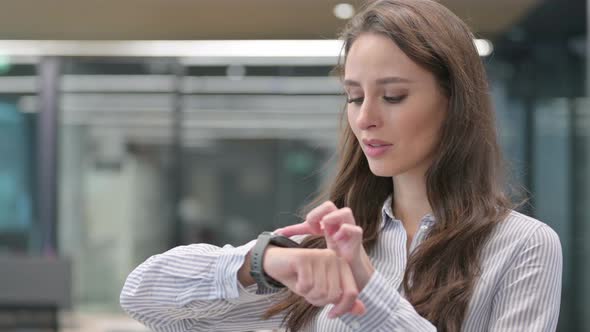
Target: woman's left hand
{"type": "Point", "coordinates": [342, 235]}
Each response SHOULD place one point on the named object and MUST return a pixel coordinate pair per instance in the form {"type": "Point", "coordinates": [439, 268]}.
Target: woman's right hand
{"type": "Point", "coordinates": [318, 275]}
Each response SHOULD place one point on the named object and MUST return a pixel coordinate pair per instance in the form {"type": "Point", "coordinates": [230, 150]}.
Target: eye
{"type": "Point", "coordinates": [395, 100]}
{"type": "Point", "coordinates": [357, 101]}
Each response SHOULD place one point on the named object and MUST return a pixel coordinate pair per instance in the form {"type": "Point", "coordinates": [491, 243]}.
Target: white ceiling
{"type": "Point", "coordinates": [212, 19]}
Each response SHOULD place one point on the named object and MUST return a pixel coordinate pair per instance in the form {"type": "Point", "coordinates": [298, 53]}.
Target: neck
{"type": "Point", "coordinates": [410, 200]}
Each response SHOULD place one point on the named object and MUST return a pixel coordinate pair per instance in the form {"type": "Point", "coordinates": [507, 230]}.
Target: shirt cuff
{"type": "Point", "coordinates": [380, 301]}
{"type": "Point", "coordinates": [226, 271]}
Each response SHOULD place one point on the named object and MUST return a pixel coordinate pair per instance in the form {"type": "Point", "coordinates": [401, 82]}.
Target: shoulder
{"type": "Point", "coordinates": [528, 229]}
{"type": "Point", "coordinates": [520, 234]}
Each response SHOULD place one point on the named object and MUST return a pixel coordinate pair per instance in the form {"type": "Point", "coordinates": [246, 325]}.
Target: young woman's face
{"type": "Point", "coordinates": [395, 107]}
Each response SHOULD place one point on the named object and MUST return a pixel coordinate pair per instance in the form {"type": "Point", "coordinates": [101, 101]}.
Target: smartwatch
{"type": "Point", "coordinates": [263, 280]}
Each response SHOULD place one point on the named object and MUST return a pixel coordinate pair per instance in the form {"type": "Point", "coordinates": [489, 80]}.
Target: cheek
{"type": "Point", "coordinates": [351, 122]}
{"type": "Point", "coordinates": [420, 131]}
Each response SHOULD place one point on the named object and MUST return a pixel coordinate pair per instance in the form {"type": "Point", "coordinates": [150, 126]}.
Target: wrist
{"type": "Point", "coordinates": [244, 276]}
{"type": "Point", "coordinates": [363, 270]}
{"type": "Point", "coordinates": [262, 254]}
{"type": "Point", "coordinates": [266, 262]}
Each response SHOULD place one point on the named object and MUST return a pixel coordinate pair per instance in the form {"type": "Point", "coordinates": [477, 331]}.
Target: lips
{"type": "Point", "coordinates": [375, 142]}
{"type": "Point", "coordinates": [375, 148]}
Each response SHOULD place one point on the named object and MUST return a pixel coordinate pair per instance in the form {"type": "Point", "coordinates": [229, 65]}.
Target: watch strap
{"type": "Point", "coordinates": [264, 281]}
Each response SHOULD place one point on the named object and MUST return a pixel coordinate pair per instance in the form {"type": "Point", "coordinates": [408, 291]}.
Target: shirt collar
{"type": "Point", "coordinates": [387, 214]}
{"type": "Point", "coordinates": [386, 211]}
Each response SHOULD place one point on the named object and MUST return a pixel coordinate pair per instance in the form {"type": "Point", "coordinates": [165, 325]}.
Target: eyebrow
{"type": "Point", "coordinates": [380, 81]}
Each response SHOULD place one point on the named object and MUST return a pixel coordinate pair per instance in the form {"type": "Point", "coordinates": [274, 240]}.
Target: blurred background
{"type": "Point", "coordinates": [130, 127]}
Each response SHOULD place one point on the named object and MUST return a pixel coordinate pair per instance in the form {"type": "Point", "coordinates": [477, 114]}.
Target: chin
{"type": "Point", "coordinates": [382, 169]}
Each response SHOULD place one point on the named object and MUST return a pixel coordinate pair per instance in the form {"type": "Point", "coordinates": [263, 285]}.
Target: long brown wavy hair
{"type": "Point", "coordinates": [465, 183]}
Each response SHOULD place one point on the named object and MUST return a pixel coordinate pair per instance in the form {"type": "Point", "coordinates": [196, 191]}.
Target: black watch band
{"type": "Point", "coordinates": [264, 281]}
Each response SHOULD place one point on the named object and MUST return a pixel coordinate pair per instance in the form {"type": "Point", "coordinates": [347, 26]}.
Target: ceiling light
{"type": "Point", "coordinates": [264, 49]}
{"type": "Point", "coordinates": [484, 47]}
{"type": "Point", "coordinates": [344, 11]}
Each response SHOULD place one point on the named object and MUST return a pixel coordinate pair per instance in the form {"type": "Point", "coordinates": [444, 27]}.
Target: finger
{"type": "Point", "coordinates": [349, 292]}
{"type": "Point", "coordinates": [315, 216]}
{"type": "Point", "coordinates": [332, 222]}
{"type": "Point", "coordinates": [348, 234]}
{"type": "Point", "coordinates": [339, 217]}
{"type": "Point", "coordinates": [348, 239]}
{"type": "Point", "coordinates": [304, 282]}
{"type": "Point", "coordinates": [297, 229]}
{"type": "Point", "coordinates": [311, 224]}
{"type": "Point", "coordinates": [319, 293]}
{"type": "Point", "coordinates": [359, 308]}
{"type": "Point", "coordinates": [333, 278]}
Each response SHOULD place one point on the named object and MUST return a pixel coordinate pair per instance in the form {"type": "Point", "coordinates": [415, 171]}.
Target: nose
{"type": "Point", "coordinates": [368, 115]}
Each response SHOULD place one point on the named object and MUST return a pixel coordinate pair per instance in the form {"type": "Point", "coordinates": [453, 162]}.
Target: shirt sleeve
{"type": "Point", "coordinates": [386, 310]}
{"type": "Point", "coordinates": [195, 288]}
{"type": "Point", "coordinates": [529, 295]}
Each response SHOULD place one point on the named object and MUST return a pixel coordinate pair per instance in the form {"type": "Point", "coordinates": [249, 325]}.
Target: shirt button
{"type": "Point", "coordinates": [355, 325]}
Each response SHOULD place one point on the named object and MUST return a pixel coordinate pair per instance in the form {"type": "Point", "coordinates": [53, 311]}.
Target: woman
{"type": "Point", "coordinates": [417, 233]}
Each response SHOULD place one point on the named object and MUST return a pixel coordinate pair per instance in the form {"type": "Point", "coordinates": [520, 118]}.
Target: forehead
{"type": "Point", "coordinates": [372, 56]}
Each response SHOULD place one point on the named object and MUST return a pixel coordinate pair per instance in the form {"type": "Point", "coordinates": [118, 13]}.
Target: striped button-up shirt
{"type": "Point", "coordinates": [195, 287]}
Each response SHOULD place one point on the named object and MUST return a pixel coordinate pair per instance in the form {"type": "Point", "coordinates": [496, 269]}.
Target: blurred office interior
{"type": "Point", "coordinates": [130, 127]}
